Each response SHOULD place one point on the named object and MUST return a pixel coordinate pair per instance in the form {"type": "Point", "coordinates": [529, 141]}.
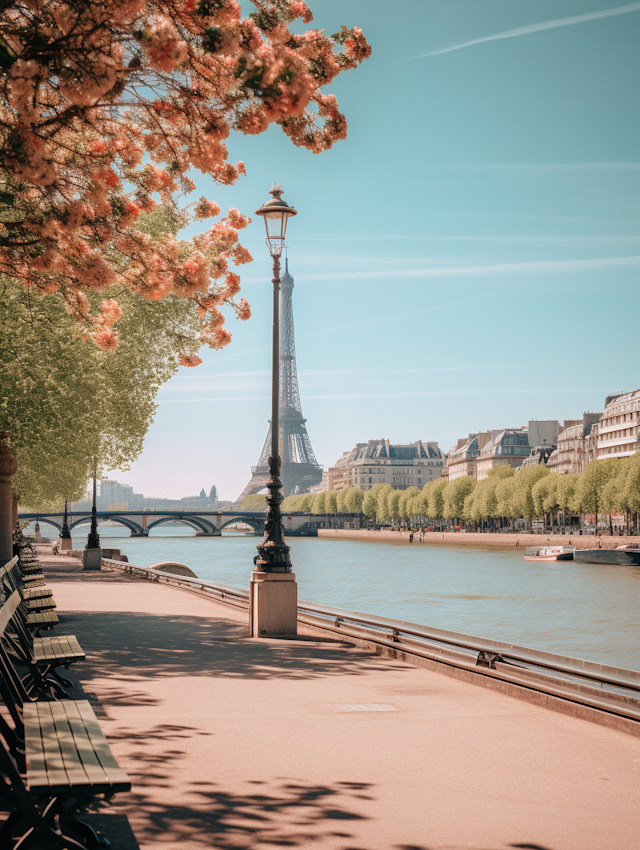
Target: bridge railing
{"type": "Point", "coordinates": [614, 691]}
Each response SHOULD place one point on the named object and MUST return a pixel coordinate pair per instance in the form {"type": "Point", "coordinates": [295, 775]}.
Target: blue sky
{"type": "Point", "coordinates": [469, 258]}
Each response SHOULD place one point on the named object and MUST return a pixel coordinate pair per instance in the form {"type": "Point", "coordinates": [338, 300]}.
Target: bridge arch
{"type": "Point", "coordinates": [256, 523]}
{"type": "Point", "coordinates": [196, 523]}
{"type": "Point", "coordinates": [128, 523]}
{"type": "Point", "coordinates": [42, 519]}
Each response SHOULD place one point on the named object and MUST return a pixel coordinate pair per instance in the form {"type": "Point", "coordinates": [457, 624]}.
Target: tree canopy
{"type": "Point", "coordinates": [606, 485]}
{"type": "Point", "coordinates": [106, 107]}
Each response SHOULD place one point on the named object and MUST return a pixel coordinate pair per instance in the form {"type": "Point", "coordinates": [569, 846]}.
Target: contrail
{"type": "Point", "coordinates": [545, 25]}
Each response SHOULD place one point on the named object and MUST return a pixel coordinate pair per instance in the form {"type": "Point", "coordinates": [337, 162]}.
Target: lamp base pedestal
{"type": "Point", "coordinates": [92, 559]}
{"type": "Point", "coordinates": [273, 604]}
{"type": "Point", "coordinates": [65, 544]}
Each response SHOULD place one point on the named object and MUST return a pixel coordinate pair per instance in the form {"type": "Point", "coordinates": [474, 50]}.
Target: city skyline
{"type": "Point", "coordinates": [470, 264]}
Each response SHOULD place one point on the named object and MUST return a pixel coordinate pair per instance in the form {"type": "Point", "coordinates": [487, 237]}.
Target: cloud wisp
{"type": "Point", "coordinates": [534, 267]}
{"type": "Point", "coordinates": [418, 394]}
{"type": "Point", "coordinates": [532, 28]}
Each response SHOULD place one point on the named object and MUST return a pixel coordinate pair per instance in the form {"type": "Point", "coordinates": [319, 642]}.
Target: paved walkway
{"type": "Point", "coordinates": [233, 742]}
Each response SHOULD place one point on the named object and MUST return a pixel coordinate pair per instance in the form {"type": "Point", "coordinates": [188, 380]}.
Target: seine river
{"type": "Point", "coordinates": [586, 611]}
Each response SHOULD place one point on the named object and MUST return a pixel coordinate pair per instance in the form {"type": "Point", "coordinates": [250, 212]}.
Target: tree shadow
{"type": "Point", "coordinates": [135, 647]}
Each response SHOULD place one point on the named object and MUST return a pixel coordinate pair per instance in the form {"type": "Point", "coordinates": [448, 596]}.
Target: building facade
{"type": "Point", "coordinates": [577, 445]}
{"type": "Point", "coordinates": [382, 462]}
{"type": "Point", "coordinates": [508, 447]}
{"type": "Point", "coordinates": [619, 428]}
{"type": "Point", "coordinates": [477, 454]}
{"type": "Point", "coordinates": [462, 458]}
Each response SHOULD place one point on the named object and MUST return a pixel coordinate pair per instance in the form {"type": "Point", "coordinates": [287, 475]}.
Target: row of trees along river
{"type": "Point", "coordinates": [605, 487]}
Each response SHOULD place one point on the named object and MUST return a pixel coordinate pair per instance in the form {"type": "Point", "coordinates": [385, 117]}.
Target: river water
{"type": "Point", "coordinates": [582, 610]}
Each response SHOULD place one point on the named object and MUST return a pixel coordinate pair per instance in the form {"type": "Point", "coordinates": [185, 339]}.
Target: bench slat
{"type": "Point", "coordinates": [100, 744]}
{"type": "Point", "coordinates": [73, 765]}
{"type": "Point", "coordinates": [36, 770]}
{"type": "Point", "coordinates": [54, 762]}
{"type": "Point", "coordinates": [37, 592]}
{"type": "Point", "coordinates": [90, 763]}
{"type": "Point", "coordinates": [40, 604]}
{"type": "Point", "coordinates": [42, 618]}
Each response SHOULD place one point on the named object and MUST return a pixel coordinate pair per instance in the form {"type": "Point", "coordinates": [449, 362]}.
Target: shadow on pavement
{"type": "Point", "coordinates": [147, 645]}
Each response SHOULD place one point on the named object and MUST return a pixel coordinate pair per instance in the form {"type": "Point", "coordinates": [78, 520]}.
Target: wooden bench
{"type": "Point", "coordinates": [41, 655]}
{"type": "Point", "coordinates": [37, 598]}
{"type": "Point", "coordinates": [54, 760]}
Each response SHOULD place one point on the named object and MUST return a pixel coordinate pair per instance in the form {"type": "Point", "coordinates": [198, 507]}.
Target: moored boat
{"type": "Point", "coordinates": [628, 555]}
{"type": "Point", "coordinates": [549, 553]}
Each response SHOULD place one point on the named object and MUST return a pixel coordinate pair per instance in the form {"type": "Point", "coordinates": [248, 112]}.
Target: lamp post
{"type": "Point", "coordinates": [65, 534]}
{"type": "Point", "coordinates": [92, 551]}
{"type": "Point", "coordinates": [273, 605]}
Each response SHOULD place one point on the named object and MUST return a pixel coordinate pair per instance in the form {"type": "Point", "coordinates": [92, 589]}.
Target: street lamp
{"type": "Point", "coordinates": [65, 534]}
{"type": "Point", "coordinates": [92, 551]}
{"type": "Point", "coordinates": [273, 595]}
{"type": "Point", "coordinates": [273, 553]}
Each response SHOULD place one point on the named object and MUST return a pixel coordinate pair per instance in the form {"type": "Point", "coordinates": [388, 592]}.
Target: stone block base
{"type": "Point", "coordinates": [66, 543]}
{"type": "Point", "coordinates": [92, 559]}
{"type": "Point", "coordinates": [273, 604]}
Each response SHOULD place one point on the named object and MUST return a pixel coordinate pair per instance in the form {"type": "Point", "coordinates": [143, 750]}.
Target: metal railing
{"type": "Point", "coordinates": [604, 687]}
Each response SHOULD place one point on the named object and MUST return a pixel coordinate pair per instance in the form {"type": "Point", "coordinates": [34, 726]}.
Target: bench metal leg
{"type": "Point", "coordinates": [91, 837]}
{"type": "Point", "coordinates": [66, 682]}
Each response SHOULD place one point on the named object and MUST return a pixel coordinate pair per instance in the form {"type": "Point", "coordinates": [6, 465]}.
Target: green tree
{"type": "Point", "coordinates": [70, 407]}
{"type": "Point", "coordinates": [382, 502]}
{"type": "Point", "coordinates": [254, 502]}
{"type": "Point", "coordinates": [435, 491]}
{"type": "Point", "coordinates": [393, 504]}
{"type": "Point", "coordinates": [370, 505]}
{"type": "Point", "coordinates": [331, 502]}
{"type": "Point", "coordinates": [306, 502]}
{"type": "Point", "coordinates": [455, 495]}
{"type": "Point", "coordinates": [355, 500]}
{"type": "Point", "coordinates": [319, 503]}
{"type": "Point", "coordinates": [590, 491]}
{"type": "Point", "coordinates": [524, 481]}
{"type": "Point", "coordinates": [406, 501]}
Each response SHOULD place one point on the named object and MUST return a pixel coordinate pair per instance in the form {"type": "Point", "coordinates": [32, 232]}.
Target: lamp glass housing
{"type": "Point", "coordinates": [276, 214]}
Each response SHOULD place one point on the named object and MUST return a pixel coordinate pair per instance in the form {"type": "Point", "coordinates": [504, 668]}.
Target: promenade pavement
{"type": "Point", "coordinates": [234, 742]}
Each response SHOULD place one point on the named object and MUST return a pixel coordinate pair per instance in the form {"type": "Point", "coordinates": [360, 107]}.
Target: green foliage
{"type": "Point", "coordinates": [254, 502]}
{"type": "Point", "coordinates": [69, 406]}
{"type": "Point", "coordinates": [532, 492]}
{"type": "Point", "coordinates": [589, 494]}
{"type": "Point", "coordinates": [435, 496]}
{"type": "Point", "coordinates": [455, 495]}
{"type": "Point", "coordinates": [319, 503]}
{"type": "Point", "coordinates": [523, 483]}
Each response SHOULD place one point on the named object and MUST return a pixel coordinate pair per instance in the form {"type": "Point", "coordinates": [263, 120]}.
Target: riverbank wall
{"type": "Point", "coordinates": [476, 540]}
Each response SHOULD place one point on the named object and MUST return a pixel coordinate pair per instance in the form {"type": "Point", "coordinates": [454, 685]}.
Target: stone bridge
{"type": "Point", "coordinates": [204, 523]}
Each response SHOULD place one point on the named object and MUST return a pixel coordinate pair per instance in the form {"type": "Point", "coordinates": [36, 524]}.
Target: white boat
{"type": "Point", "coordinates": [549, 553]}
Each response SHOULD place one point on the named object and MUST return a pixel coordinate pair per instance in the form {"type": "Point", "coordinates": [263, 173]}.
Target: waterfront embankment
{"type": "Point", "coordinates": [241, 743]}
{"type": "Point", "coordinates": [476, 540]}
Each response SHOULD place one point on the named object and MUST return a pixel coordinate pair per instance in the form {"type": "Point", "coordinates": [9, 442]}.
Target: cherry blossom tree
{"type": "Point", "coordinates": [107, 107]}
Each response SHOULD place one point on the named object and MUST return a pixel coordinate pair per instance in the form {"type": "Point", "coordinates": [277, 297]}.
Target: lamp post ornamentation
{"type": "Point", "coordinates": [65, 534]}
{"type": "Point", "coordinates": [273, 552]}
{"type": "Point", "coordinates": [93, 540]}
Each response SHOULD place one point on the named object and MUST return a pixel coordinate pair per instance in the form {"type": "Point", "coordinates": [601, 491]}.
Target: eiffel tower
{"type": "Point", "coordinates": [300, 469]}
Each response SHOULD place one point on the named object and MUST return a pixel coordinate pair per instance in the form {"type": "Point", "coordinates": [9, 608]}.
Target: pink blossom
{"type": "Point", "coordinates": [111, 312]}
{"type": "Point", "coordinates": [106, 339]}
{"type": "Point", "coordinates": [189, 360]}
{"type": "Point", "coordinates": [237, 220]}
{"type": "Point", "coordinates": [243, 310]}
{"type": "Point", "coordinates": [206, 209]}
{"type": "Point", "coordinates": [164, 45]}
